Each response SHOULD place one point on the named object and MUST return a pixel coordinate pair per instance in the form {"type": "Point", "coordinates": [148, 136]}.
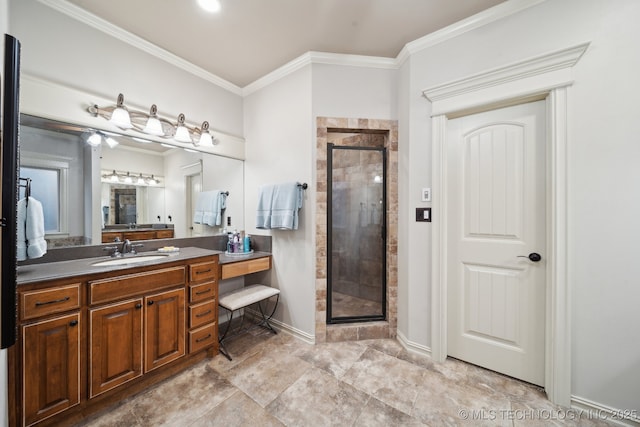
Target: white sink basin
{"type": "Point", "coordinates": [128, 260]}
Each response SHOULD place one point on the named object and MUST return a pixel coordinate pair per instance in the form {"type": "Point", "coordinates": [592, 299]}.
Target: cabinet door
{"type": "Point", "coordinates": [115, 345]}
{"type": "Point", "coordinates": [164, 328]}
{"type": "Point", "coordinates": [51, 367]}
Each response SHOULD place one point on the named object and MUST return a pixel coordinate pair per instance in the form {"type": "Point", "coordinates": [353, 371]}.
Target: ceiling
{"type": "Point", "coordinates": [248, 39]}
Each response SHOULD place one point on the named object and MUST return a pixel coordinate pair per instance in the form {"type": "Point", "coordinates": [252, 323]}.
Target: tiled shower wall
{"type": "Point", "coordinates": [327, 126]}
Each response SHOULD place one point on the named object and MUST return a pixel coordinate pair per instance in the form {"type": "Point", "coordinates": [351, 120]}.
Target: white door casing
{"type": "Point", "coordinates": [496, 297]}
{"type": "Point", "coordinates": [549, 77]}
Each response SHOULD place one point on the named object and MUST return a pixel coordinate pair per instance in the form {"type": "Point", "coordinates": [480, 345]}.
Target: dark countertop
{"type": "Point", "coordinates": [82, 266]}
{"type": "Point", "coordinates": [228, 259]}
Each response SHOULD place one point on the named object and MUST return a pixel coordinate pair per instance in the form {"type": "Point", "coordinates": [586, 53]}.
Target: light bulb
{"type": "Point", "coordinates": [153, 127]}
{"type": "Point", "coordinates": [94, 140]}
{"type": "Point", "coordinates": [120, 116]}
{"type": "Point", "coordinates": [182, 133]}
{"type": "Point", "coordinates": [111, 142]}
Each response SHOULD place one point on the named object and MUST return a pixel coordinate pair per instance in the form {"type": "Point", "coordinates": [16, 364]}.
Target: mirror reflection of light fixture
{"type": "Point", "coordinates": [153, 126]}
{"type": "Point", "coordinates": [94, 139]}
{"type": "Point", "coordinates": [111, 142]}
{"type": "Point", "coordinates": [120, 116]}
{"type": "Point", "coordinates": [182, 133]}
{"type": "Point", "coordinates": [131, 178]}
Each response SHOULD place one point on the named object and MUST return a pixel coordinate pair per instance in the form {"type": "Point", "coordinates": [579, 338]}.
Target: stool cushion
{"type": "Point", "coordinates": [248, 295]}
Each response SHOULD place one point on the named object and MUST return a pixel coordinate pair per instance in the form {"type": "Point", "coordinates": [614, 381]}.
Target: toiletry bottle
{"type": "Point", "coordinates": [247, 243]}
{"type": "Point", "coordinates": [229, 244]}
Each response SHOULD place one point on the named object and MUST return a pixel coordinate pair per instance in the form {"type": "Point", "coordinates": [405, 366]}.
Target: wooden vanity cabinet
{"type": "Point", "coordinates": [50, 326]}
{"type": "Point", "coordinates": [88, 342]}
{"type": "Point", "coordinates": [164, 328]}
{"type": "Point", "coordinates": [203, 306]}
{"type": "Point", "coordinates": [51, 367]}
{"type": "Point", "coordinates": [115, 345]}
{"type": "Point", "coordinates": [118, 345]}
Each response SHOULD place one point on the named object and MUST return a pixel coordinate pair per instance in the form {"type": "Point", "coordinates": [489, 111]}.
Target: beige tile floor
{"type": "Point", "coordinates": [278, 380]}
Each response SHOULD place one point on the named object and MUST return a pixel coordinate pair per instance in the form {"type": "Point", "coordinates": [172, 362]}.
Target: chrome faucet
{"type": "Point", "coordinates": [115, 254]}
{"type": "Point", "coordinates": [130, 248]}
{"type": "Point", "coordinates": [126, 247]}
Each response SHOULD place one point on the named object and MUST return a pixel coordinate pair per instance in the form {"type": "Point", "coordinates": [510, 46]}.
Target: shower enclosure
{"type": "Point", "coordinates": [356, 225]}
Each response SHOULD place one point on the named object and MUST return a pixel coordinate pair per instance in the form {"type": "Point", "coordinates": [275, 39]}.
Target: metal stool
{"type": "Point", "coordinates": [244, 297]}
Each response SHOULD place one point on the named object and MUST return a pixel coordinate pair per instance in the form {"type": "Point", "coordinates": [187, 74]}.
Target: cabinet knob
{"type": "Point", "coordinates": [73, 323]}
{"type": "Point", "coordinates": [150, 302]}
{"type": "Point", "coordinates": [138, 305]}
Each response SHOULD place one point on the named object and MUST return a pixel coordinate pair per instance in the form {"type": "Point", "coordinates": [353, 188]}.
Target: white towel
{"type": "Point", "coordinates": [31, 243]}
{"type": "Point", "coordinates": [209, 206]}
{"type": "Point", "coordinates": [263, 210]}
{"type": "Point", "coordinates": [278, 206]}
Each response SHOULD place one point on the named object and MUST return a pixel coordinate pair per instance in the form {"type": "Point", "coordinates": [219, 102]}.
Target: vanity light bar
{"type": "Point", "coordinates": [152, 124]}
{"type": "Point", "coordinates": [136, 178]}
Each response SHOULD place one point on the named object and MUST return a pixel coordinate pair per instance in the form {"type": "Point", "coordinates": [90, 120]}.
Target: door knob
{"type": "Point", "coordinates": [533, 256]}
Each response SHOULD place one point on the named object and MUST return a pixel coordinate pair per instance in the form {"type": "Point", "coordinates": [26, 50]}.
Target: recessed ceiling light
{"type": "Point", "coordinates": [212, 6]}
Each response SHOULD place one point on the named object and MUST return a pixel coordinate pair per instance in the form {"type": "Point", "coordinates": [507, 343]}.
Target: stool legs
{"type": "Point", "coordinates": [264, 322]}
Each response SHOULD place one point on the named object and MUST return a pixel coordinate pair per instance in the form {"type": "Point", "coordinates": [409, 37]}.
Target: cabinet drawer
{"type": "Point", "coordinates": [202, 292]}
{"type": "Point", "coordinates": [109, 236]}
{"type": "Point", "coordinates": [204, 337]}
{"type": "Point", "coordinates": [203, 271]}
{"type": "Point", "coordinates": [115, 288]}
{"type": "Point", "coordinates": [164, 234]}
{"type": "Point", "coordinates": [139, 235]}
{"type": "Point", "coordinates": [39, 303]}
{"type": "Point", "coordinates": [200, 314]}
{"type": "Point", "coordinates": [242, 268]}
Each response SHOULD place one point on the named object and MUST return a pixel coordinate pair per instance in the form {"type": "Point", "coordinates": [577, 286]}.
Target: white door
{"type": "Point", "coordinates": [495, 292]}
{"type": "Point", "coordinates": [194, 187]}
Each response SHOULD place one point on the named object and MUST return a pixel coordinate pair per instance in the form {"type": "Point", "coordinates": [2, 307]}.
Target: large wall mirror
{"type": "Point", "coordinates": [122, 183]}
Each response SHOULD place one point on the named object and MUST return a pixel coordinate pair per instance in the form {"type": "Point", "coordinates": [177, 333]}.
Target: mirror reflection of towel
{"type": "Point", "coordinates": [209, 206]}
{"type": "Point", "coordinates": [30, 242]}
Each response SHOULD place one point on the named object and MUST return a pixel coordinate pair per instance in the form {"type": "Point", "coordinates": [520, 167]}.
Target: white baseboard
{"type": "Point", "coordinates": [413, 347]}
{"type": "Point", "coordinates": [598, 411]}
{"type": "Point", "coordinates": [280, 326]}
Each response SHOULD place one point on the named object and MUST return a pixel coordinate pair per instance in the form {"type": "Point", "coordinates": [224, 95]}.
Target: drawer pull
{"type": "Point", "coordinates": [203, 314]}
{"type": "Point", "coordinates": [73, 323]}
{"type": "Point", "coordinates": [38, 303]}
{"type": "Point", "coordinates": [203, 271]}
{"type": "Point", "coordinates": [203, 292]}
{"type": "Point", "coordinates": [204, 338]}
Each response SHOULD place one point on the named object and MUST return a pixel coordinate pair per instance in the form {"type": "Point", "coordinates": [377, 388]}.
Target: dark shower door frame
{"type": "Point", "coordinates": [383, 240]}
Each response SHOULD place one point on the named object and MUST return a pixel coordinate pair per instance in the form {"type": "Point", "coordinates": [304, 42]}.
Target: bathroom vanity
{"type": "Point", "coordinates": [91, 334]}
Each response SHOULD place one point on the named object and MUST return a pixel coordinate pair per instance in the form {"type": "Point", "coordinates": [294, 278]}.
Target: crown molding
{"type": "Point", "coordinates": [473, 22]}
{"type": "Point", "coordinates": [313, 57]}
{"type": "Point", "coordinates": [131, 39]}
{"type": "Point", "coordinates": [480, 19]}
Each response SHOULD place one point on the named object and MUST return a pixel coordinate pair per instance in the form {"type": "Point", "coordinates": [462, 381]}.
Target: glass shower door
{"type": "Point", "coordinates": [356, 238]}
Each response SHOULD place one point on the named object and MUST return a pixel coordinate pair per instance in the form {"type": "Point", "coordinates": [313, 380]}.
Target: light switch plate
{"type": "Point", "coordinates": [423, 214]}
{"type": "Point", "coordinates": [426, 194]}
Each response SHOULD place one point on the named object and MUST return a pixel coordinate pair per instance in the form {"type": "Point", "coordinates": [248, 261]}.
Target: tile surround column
{"type": "Point", "coordinates": [362, 330]}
